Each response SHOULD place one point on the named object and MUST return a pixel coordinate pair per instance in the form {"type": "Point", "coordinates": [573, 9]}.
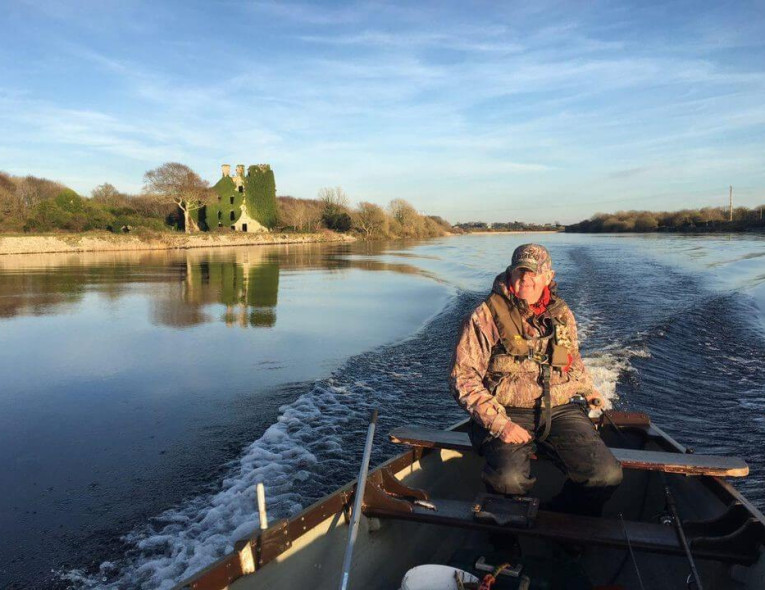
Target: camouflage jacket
{"type": "Point", "coordinates": [484, 397]}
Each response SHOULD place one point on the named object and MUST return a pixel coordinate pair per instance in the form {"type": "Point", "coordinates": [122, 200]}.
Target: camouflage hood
{"type": "Point", "coordinates": [500, 286]}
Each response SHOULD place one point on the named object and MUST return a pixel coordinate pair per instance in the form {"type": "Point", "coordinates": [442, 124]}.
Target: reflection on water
{"type": "Point", "coordinates": [247, 288]}
{"type": "Point", "coordinates": [22, 294]}
{"type": "Point", "coordinates": [130, 379]}
{"type": "Point", "coordinates": [126, 392]}
{"type": "Point", "coordinates": [186, 287]}
{"type": "Point", "coordinates": [246, 283]}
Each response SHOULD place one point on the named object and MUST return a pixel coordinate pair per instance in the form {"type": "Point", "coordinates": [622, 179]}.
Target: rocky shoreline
{"type": "Point", "coordinates": [108, 242]}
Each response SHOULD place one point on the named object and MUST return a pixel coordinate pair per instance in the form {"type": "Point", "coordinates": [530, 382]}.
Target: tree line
{"type": "Point", "coordinates": [707, 219]}
{"type": "Point", "coordinates": [31, 204]}
{"type": "Point", "coordinates": [173, 193]}
{"type": "Point", "coordinates": [332, 210]}
{"type": "Point", "coordinates": [481, 226]}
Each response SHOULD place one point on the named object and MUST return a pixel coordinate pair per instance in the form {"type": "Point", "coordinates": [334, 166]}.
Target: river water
{"type": "Point", "coordinates": [144, 395]}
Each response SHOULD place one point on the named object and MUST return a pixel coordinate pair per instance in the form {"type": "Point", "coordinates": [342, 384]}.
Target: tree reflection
{"type": "Point", "coordinates": [185, 288]}
{"type": "Point", "coordinates": [248, 288]}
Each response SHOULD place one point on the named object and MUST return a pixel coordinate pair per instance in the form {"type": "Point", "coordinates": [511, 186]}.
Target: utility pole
{"type": "Point", "coordinates": [730, 197]}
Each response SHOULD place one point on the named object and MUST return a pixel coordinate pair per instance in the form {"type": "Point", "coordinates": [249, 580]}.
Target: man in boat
{"type": "Point", "coordinates": [518, 372]}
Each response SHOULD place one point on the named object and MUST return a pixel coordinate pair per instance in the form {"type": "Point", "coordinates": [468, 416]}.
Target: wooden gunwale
{"type": "Point", "coordinates": [221, 573]}
{"type": "Point", "coordinates": [338, 501]}
{"type": "Point", "coordinates": [722, 489]}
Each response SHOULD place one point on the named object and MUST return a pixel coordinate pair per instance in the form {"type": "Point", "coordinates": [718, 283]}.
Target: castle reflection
{"type": "Point", "coordinates": [182, 288]}
{"type": "Point", "coordinates": [249, 289]}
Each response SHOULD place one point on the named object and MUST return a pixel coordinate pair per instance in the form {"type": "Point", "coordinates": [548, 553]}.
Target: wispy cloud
{"type": "Point", "coordinates": [470, 40]}
{"type": "Point", "coordinates": [500, 100]}
{"type": "Point", "coordinates": [629, 172]}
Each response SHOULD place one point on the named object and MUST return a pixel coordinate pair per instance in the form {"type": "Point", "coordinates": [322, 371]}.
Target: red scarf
{"type": "Point", "coordinates": [540, 306]}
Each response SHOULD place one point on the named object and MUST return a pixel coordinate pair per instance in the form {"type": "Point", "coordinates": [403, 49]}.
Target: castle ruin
{"type": "Point", "coordinates": [245, 202]}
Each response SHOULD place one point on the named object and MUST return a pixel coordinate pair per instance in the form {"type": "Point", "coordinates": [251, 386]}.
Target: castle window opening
{"type": "Point", "coordinates": [232, 216]}
{"type": "Point", "coordinates": [220, 215]}
{"type": "Point", "coordinates": [232, 200]}
{"type": "Point", "coordinates": [244, 227]}
{"type": "Point", "coordinates": [241, 189]}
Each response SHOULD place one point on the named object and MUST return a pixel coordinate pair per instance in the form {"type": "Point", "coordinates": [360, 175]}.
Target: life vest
{"type": "Point", "coordinates": [540, 351]}
{"type": "Point", "coordinates": [549, 344]}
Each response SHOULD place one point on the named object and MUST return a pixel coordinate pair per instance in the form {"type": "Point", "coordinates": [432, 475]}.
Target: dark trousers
{"type": "Point", "coordinates": [593, 472]}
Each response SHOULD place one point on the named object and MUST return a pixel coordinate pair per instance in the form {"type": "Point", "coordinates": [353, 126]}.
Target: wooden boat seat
{"type": "Point", "coordinates": [688, 464]}
{"type": "Point", "coordinates": [561, 527]}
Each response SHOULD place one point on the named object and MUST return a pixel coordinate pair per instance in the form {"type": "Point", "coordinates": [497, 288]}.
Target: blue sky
{"type": "Point", "coordinates": [540, 111]}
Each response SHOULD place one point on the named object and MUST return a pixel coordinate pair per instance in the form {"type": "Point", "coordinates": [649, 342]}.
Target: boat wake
{"type": "Point", "coordinates": [314, 446]}
{"type": "Point", "coordinates": [642, 355]}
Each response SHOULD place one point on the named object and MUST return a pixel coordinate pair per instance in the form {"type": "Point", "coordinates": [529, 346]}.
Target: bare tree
{"type": "Point", "coordinates": [181, 184]}
{"type": "Point", "coordinates": [334, 200]}
{"type": "Point", "coordinates": [11, 205]}
{"type": "Point", "coordinates": [300, 214]}
{"type": "Point", "coordinates": [371, 219]}
{"type": "Point", "coordinates": [108, 195]}
{"type": "Point", "coordinates": [32, 190]}
{"type": "Point", "coordinates": [407, 216]}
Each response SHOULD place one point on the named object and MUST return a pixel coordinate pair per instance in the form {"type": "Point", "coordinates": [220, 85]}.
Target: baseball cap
{"type": "Point", "coordinates": [534, 257]}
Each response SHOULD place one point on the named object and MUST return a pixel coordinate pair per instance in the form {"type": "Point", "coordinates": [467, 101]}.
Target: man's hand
{"type": "Point", "coordinates": [514, 434]}
{"type": "Point", "coordinates": [595, 400]}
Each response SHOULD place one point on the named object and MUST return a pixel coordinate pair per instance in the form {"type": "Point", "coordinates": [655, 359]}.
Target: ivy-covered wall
{"type": "Point", "coordinates": [260, 192]}
{"type": "Point", "coordinates": [218, 214]}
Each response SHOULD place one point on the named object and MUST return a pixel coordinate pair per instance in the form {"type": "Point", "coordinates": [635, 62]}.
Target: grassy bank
{"type": "Point", "coordinates": [109, 242]}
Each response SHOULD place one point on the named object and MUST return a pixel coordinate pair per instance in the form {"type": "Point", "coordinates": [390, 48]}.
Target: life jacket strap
{"type": "Point", "coordinates": [547, 410]}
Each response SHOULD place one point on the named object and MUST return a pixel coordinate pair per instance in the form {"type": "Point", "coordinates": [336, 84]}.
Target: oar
{"type": "Point", "coordinates": [356, 515]}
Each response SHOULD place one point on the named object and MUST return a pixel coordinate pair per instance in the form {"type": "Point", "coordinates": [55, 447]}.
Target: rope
{"type": "Point", "coordinates": [489, 579]}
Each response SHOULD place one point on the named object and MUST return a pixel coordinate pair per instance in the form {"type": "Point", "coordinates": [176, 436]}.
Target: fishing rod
{"type": "Point", "coordinates": [632, 553]}
{"type": "Point", "coordinates": [356, 514]}
{"type": "Point", "coordinates": [681, 534]}
{"type": "Point", "coordinates": [674, 515]}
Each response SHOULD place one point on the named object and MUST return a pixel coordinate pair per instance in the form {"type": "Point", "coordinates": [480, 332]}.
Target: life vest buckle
{"type": "Point", "coordinates": [539, 357]}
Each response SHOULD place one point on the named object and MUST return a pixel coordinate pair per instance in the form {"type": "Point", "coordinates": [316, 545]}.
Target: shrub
{"type": "Point", "coordinates": [337, 221]}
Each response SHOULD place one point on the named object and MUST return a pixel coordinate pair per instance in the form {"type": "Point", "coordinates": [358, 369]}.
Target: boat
{"type": "Point", "coordinates": [675, 522]}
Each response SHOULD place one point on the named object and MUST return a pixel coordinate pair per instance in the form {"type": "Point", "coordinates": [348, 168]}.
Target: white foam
{"type": "Point", "coordinates": [183, 540]}
{"type": "Point", "coordinates": [606, 366]}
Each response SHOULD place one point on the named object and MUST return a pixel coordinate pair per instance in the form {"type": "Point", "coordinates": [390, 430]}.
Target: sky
{"type": "Point", "coordinates": [493, 111]}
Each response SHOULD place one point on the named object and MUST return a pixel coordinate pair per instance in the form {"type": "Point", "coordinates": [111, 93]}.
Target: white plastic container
{"type": "Point", "coordinates": [434, 577]}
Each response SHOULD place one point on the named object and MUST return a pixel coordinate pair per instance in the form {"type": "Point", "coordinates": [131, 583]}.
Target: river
{"type": "Point", "coordinates": [145, 394]}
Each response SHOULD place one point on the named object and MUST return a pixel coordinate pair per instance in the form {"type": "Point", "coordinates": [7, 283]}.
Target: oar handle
{"type": "Point", "coordinates": [359, 497]}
